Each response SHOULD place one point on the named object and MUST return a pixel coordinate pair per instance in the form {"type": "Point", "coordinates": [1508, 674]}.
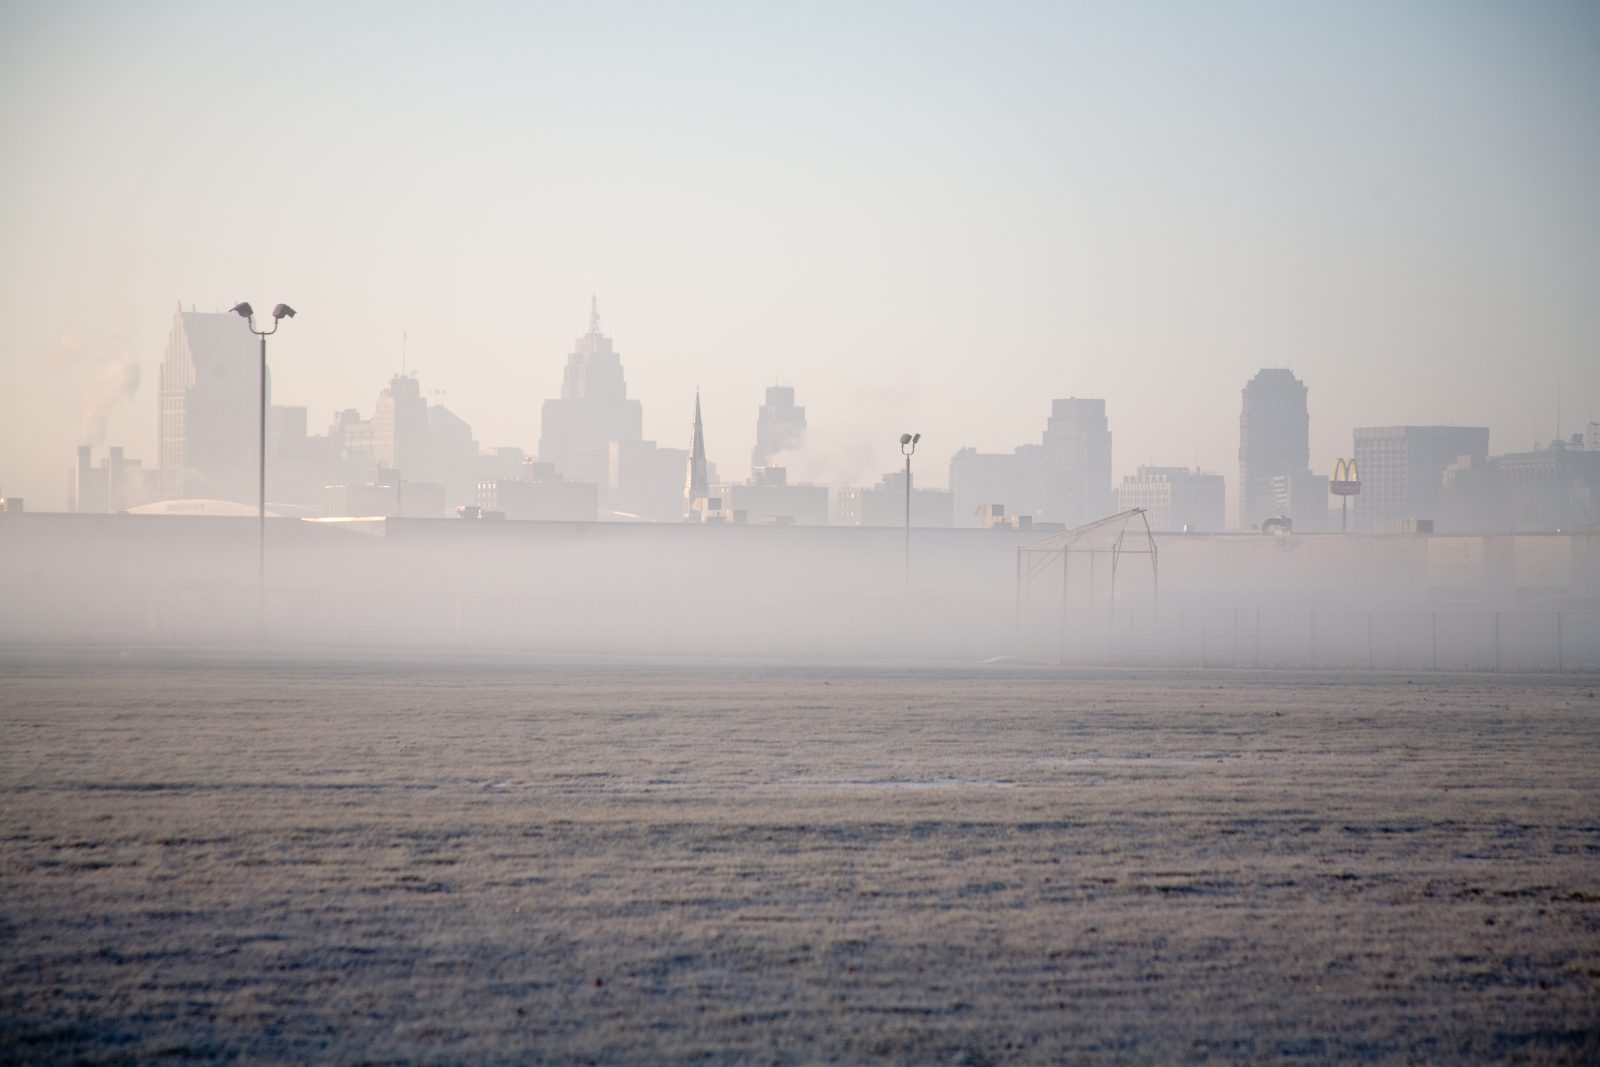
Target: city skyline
{"type": "Point", "coordinates": [913, 220]}
{"type": "Point", "coordinates": [592, 436]}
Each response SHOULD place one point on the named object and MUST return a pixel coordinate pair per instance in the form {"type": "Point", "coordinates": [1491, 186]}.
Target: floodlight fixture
{"type": "Point", "coordinates": [244, 311]}
{"type": "Point", "coordinates": [283, 311]}
{"type": "Point", "coordinates": [905, 439]}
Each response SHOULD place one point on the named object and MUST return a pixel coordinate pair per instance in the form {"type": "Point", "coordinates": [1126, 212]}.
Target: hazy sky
{"type": "Point", "coordinates": [923, 217]}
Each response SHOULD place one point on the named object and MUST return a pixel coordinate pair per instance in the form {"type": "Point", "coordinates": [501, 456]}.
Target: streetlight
{"type": "Point", "coordinates": [279, 313]}
{"type": "Point", "coordinates": [908, 445]}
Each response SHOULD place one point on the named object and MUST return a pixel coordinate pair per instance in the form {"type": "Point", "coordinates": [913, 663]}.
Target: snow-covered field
{"type": "Point", "coordinates": [270, 857]}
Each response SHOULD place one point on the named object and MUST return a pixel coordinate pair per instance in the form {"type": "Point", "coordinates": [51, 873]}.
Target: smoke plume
{"type": "Point", "coordinates": [101, 379]}
{"type": "Point", "coordinates": [100, 392]}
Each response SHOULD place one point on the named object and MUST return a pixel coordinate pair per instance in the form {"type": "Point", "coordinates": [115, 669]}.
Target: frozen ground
{"type": "Point", "coordinates": [279, 858]}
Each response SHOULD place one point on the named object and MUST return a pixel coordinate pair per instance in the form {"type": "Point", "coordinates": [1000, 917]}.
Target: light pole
{"type": "Point", "coordinates": [908, 445]}
{"type": "Point", "coordinates": [279, 313]}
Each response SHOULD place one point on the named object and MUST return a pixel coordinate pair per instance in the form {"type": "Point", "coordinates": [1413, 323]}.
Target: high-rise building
{"type": "Point", "coordinates": [1402, 470]}
{"type": "Point", "coordinates": [1075, 463]}
{"type": "Point", "coordinates": [780, 425]}
{"type": "Point", "coordinates": [454, 453]}
{"type": "Point", "coordinates": [1176, 498]}
{"type": "Point", "coordinates": [1274, 442]}
{"type": "Point", "coordinates": [576, 431]}
{"type": "Point", "coordinates": [210, 408]}
{"type": "Point", "coordinates": [400, 429]}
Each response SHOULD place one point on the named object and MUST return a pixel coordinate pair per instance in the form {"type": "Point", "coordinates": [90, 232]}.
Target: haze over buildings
{"type": "Point", "coordinates": [932, 219]}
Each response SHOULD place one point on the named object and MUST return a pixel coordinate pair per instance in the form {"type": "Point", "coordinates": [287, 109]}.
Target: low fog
{"type": "Point", "coordinates": [1401, 601]}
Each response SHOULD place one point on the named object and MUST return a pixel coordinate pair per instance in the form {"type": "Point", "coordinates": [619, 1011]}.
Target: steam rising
{"type": "Point", "coordinates": [99, 393]}
{"type": "Point", "coordinates": [100, 378]}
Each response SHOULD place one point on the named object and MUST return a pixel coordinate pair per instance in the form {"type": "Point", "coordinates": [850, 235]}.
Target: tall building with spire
{"type": "Point", "coordinates": [209, 408]}
{"type": "Point", "coordinates": [779, 426]}
{"type": "Point", "coordinates": [576, 431]}
{"type": "Point", "coordinates": [697, 482]}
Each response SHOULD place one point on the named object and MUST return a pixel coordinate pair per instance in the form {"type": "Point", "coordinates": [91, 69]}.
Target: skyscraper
{"type": "Point", "coordinates": [1274, 441]}
{"type": "Point", "coordinates": [1402, 469]}
{"type": "Point", "coordinates": [1075, 463]}
{"type": "Point", "coordinates": [209, 408]}
{"type": "Point", "coordinates": [576, 431]}
{"type": "Point", "coordinates": [400, 429]}
{"type": "Point", "coordinates": [779, 426]}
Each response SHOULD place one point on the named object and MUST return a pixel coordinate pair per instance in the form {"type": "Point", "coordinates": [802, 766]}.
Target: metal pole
{"type": "Point", "coordinates": [1497, 642]}
{"type": "Point", "coordinates": [1061, 652]}
{"type": "Point", "coordinates": [1559, 642]}
{"type": "Point", "coordinates": [1088, 615]}
{"type": "Point", "coordinates": [1435, 634]}
{"type": "Point", "coordinates": [1369, 640]}
{"type": "Point", "coordinates": [261, 487]}
{"type": "Point", "coordinates": [908, 522]}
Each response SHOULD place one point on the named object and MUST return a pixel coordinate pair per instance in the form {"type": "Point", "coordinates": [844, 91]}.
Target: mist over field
{"type": "Point", "coordinates": [721, 534]}
{"type": "Point", "coordinates": [1116, 594]}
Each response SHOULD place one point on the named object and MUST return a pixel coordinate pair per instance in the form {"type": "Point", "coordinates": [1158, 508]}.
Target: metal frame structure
{"type": "Point", "coordinates": [1107, 535]}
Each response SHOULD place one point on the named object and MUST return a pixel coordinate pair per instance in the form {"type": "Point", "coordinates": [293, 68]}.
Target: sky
{"type": "Point", "coordinates": [923, 217]}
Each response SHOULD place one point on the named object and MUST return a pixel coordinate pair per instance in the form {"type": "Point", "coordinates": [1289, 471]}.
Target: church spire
{"type": "Point", "coordinates": [698, 484]}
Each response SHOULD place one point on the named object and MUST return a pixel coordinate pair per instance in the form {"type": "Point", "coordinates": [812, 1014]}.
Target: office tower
{"type": "Point", "coordinates": [1076, 463]}
{"type": "Point", "coordinates": [576, 431]}
{"type": "Point", "coordinates": [400, 429]}
{"type": "Point", "coordinates": [1402, 470]}
{"type": "Point", "coordinates": [780, 425]}
{"type": "Point", "coordinates": [1176, 498]}
{"type": "Point", "coordinates": [1274, 441]}
{"type": "Point", "coordinates": [210, 408]}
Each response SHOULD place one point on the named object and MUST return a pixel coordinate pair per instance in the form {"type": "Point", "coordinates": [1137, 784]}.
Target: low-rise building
{"type": "Point", "coordinates": [1176, 498]}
